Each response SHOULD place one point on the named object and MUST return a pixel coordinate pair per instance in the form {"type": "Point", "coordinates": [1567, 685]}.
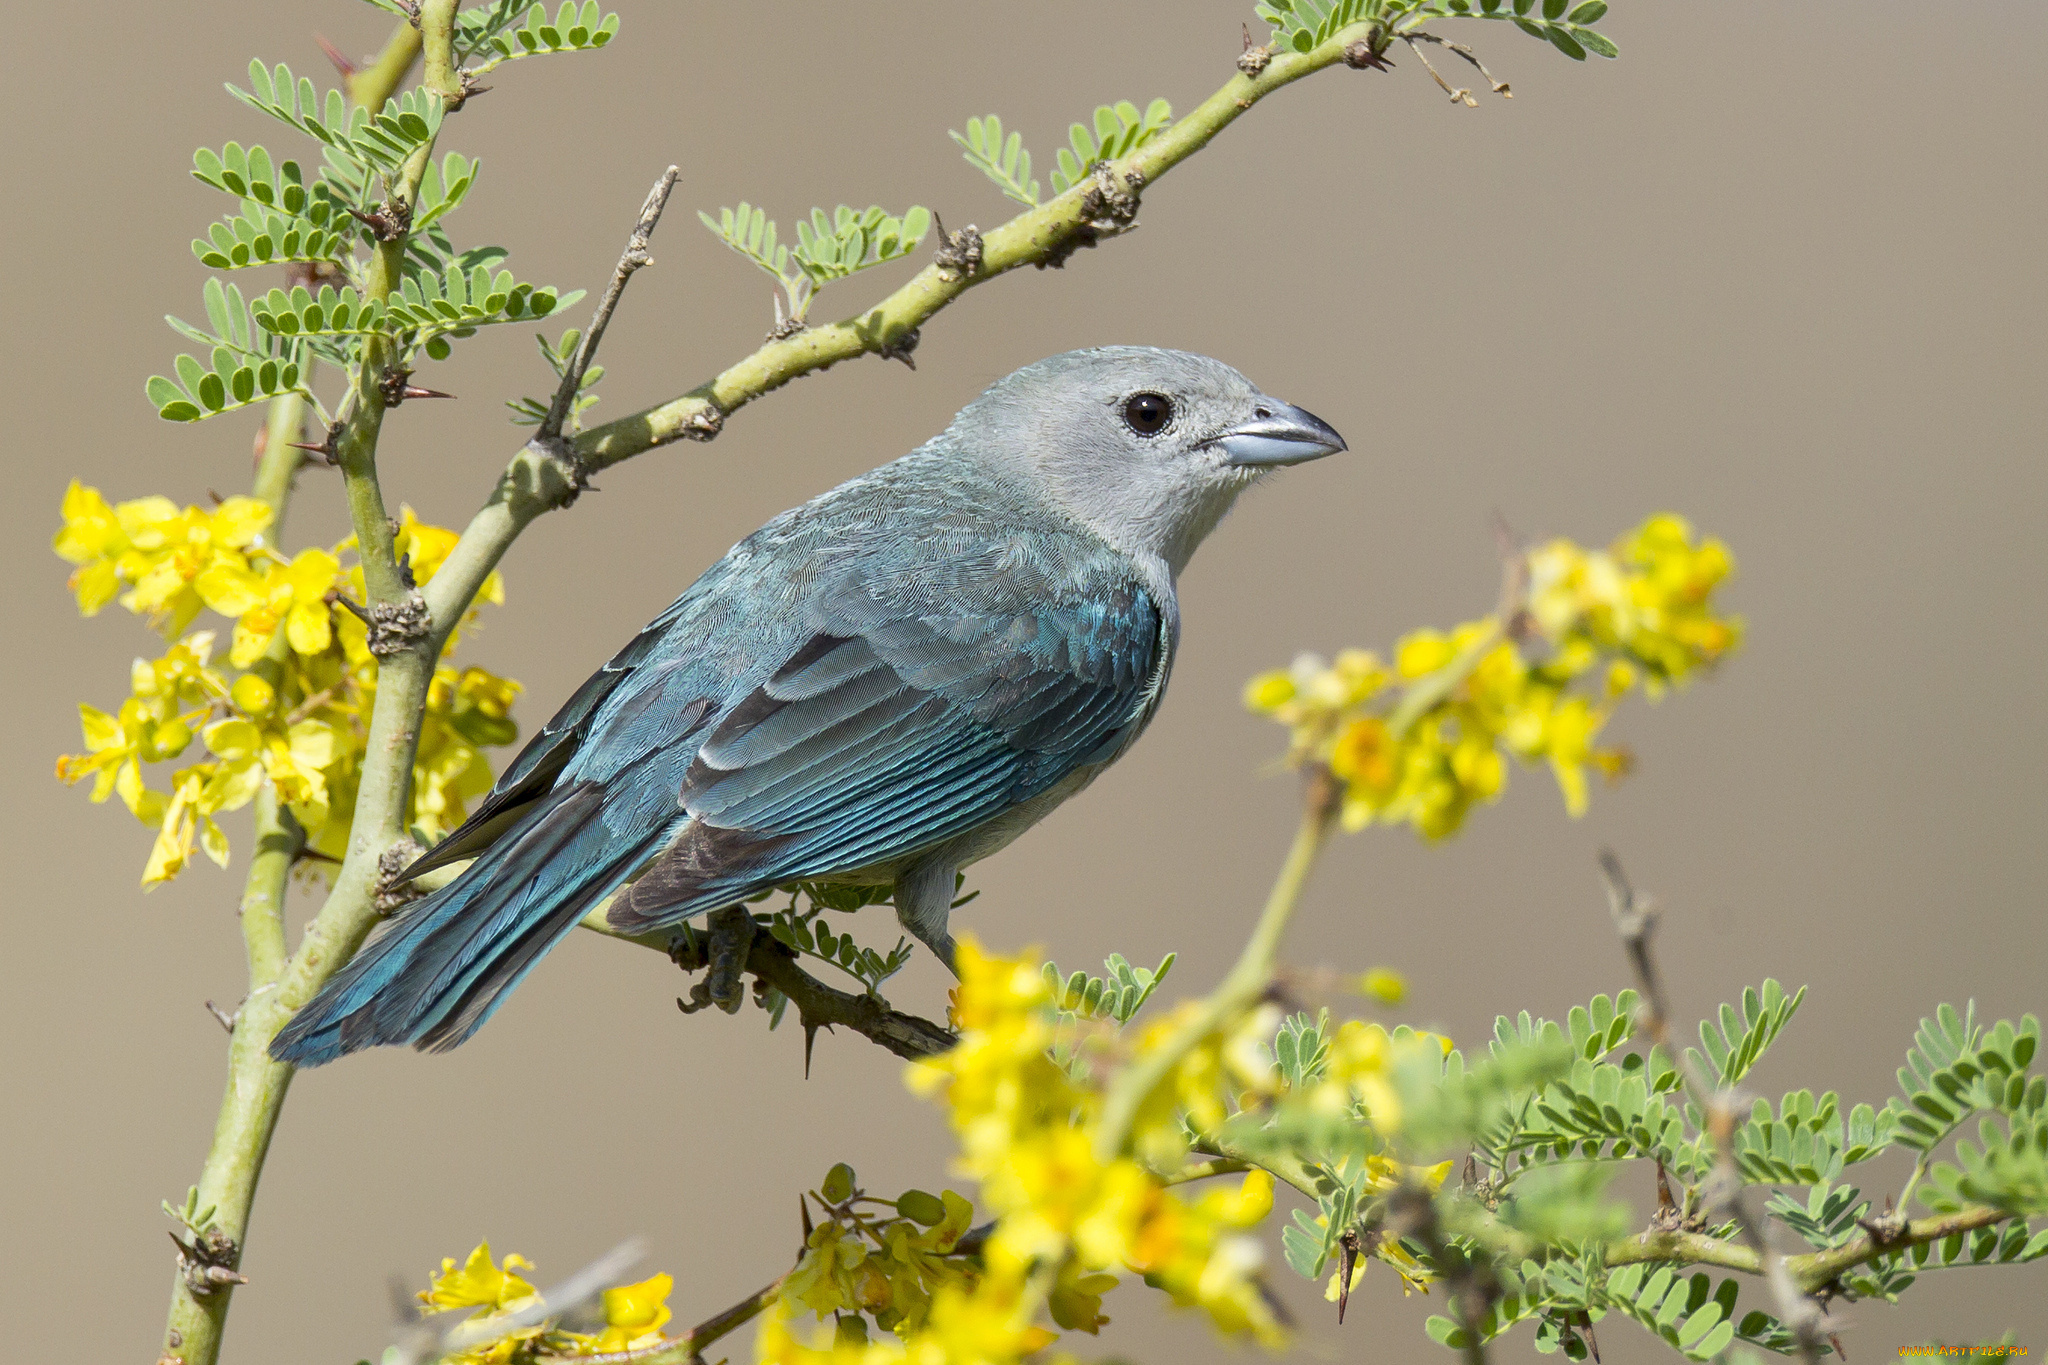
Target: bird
{"type": "Point", "coordinates": [881, 686]}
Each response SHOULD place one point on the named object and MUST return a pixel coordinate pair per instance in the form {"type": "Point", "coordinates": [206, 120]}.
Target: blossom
{"type": "Point", "coordinates": [154, 547]}
{"type": "Point", "coordinates": [1594, 626]}
{"type": "Point", "coordinates": [297, 716]}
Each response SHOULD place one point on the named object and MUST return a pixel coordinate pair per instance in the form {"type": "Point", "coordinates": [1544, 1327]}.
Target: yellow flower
{"type": "Point", "coordinates": [634, 1315]}
{"type": "Point", "coordinates": [91, 538]}
{"type": "Point", "coordinates": [293, 595]}
{"type": "Point", "coordinates": [1385, 985]}
{"type": "Point", "coordinates": [152, 545]}
{"type": "Point", "coordinates": [481, 1284]}
{"type": "Point", "coordinates": [1422, 653]}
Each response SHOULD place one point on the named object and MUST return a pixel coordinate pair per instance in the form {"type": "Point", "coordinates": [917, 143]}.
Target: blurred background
{"type": "Point", "coordinates": [1778, 268]}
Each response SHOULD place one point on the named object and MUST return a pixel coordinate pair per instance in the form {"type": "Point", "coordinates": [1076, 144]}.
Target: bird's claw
{"type": "Point", "coordinates": [731, 934]}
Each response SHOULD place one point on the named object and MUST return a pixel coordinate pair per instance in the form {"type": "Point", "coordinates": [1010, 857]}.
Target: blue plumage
{"type": "Point", "coordinates": [882, 685]}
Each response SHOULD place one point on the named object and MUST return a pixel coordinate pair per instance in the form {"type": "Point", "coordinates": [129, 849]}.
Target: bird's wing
{"type": "Point", "coordinates": [532, 774]}
{"type": "Point", "coordinates": [925, 701]}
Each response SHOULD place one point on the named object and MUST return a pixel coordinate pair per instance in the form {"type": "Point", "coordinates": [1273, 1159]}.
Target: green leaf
{"type": "Point", "coordinates": [919, 1207]}
{"type": "Point", "coordinates": [1007, 163]}
{"type": "Point", "coordinates": [1119, 129]}
{"type": "Point", "coordinates": [1565, 43]}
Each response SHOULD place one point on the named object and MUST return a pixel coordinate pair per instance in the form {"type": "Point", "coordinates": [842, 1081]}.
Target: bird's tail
{"type": "Point", "coordinates": [438, 971]}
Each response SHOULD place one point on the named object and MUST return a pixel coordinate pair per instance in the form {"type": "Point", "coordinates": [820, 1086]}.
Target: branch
{"type": "Point", "coordinates": [1102, 206]}
{"type": "Point", "coordinates": [818, 1005]}
{"type": "Point", "coordinates": [256, 1086]}
{"type": "Point", "coordinates": [683, 1350]}
{"type": "Point", "coordinates": [631, 259]}
{"type": "Point", "coordinates": [1634, 919]}
{"type": "Point", "coordinates": [1247, 982]}
{"type": "Point", "coordinates": [1810, 1272]}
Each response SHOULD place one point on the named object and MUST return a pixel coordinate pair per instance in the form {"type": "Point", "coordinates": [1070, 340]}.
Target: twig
{"type": "Point", "coordinates": [1248, 980]}
{"type": "Point", "coordinates": [1411, 1212]}
{"type": "Point", "coordinates": [1499, 87]}
{"type": "Point", "coordinates": [1458, 96]}
{"type": "Point", "coordinates": [1634, 919]}
{"type": "Point", "coordinates": [818, 1005]}
{"type": "Point", "coordinates": [633, 258]}
{"type": "Point", "coordinates": [255, 1090]}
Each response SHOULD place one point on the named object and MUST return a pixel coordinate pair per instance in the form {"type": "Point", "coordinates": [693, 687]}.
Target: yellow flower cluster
{"type": "Point", "coordinates": [292, 705]}
{"type": "Point", "coordinates": [1592, 627]}
{"type": "Point", "coordinates": [634, 1314]}
{"type": "Point", "coordinates": [1067, 1220]}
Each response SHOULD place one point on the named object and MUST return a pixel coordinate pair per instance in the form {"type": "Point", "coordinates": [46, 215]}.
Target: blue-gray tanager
{"type": "Point", "coordinates": [881, 686]}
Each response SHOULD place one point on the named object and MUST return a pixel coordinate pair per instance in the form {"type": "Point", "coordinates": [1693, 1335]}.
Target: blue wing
{"type": "Point", "coordinates": [796, 713]}
{"type": "Point", "coordinates": [906, 719]}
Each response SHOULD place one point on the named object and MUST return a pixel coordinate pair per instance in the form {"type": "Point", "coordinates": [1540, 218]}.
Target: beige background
{"type": "Point", "coordinates": [1779, 267]}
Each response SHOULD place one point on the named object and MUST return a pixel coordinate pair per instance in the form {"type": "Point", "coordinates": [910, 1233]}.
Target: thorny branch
{"type": "Point", "coordinates": [1635, 916]}
{"type": "Point", "coordinates": [633, 258]}
{"type": "Point", "coordinates": [774, 967]}
{"type": "Point", "coordinates": [535, 482]}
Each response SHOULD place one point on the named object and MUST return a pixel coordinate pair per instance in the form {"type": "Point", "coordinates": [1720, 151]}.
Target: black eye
{"type": "Point", "coordinates": [1148, 413]}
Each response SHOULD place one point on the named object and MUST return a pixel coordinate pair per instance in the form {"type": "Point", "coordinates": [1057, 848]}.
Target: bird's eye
{"type": "Point", "coordinates": [1148, 413]}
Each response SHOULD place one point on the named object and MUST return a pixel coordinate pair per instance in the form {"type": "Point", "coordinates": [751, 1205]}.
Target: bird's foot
{"type": "Point", "coordinates": [731, 932]}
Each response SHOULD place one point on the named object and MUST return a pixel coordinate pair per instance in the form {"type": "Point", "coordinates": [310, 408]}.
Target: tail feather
{"type": "Point", "coordinates": [437, 972]}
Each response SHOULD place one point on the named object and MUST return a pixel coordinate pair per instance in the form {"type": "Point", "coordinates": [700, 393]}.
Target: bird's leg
{"type": "Point", "coordinates": [731, 932]}
{"type": "Point", "coordinates": [924, 902]}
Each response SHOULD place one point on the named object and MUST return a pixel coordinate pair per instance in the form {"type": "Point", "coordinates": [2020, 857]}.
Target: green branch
{"type": "Point", "coordinates": [256, 1085]}
{"type": "Point", "coordinates": [537, 481]}
{"type": "Point", "coordinates": [1248, 980]}
{"type": "Point", "coordinates": [1811, 1271]}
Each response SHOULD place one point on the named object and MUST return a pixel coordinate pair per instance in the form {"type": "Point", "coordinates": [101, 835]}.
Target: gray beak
{"type": "Point", "coordinates": [1282, 434]}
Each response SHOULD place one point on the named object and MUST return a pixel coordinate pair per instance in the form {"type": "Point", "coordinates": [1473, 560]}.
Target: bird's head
{"type": "Point", "coordinates": [1148, 448]}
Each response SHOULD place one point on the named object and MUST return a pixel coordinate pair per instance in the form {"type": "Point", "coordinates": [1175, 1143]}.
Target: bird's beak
{"type": "Point", "coordinates": [1283, 435]}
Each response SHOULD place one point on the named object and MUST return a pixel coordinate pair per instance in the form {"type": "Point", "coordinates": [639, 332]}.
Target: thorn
{"type": "Point", "coordinates": [414, 391]}
{"type": "Point", "coordinates": [810, 1037]}
{"type": "Point", "coordinates": [227, 1021]}
{"type": "Point", "coordinates": [1836, 1342]}
{"type": "Point", "coordinates": [341, 62]}
{"type": "Point", "coordinates": [334, 598]}
{"type": "Point", "coordinates": [217, 498]}
{"type": "Point", "coordinates": [803, 1209]}
{"type": "Point", "coordinates": [1359, 56]}
{"type": "Point", "coordinates": [388, 221]}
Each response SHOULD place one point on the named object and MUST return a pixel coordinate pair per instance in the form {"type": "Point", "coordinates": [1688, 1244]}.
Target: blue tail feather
{"type": "Point", "coordinates": [437, 972]}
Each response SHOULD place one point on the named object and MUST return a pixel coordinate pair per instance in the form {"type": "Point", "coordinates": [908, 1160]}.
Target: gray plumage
{"type": "Point", "coordinates": [883, 685]}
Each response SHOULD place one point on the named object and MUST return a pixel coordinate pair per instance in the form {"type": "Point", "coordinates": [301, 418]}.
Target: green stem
{"type": "Point", "coordinates": [277, 844]}
{"type": "Point", "coordinates": [369, 87]}
{"type": "Point", "coordinates": [284, 424]}
{"type": "Point", "coordinates": [256, 1085]}
{"type": "Point", "coordinates": [437, 33]}
{"type": "Point", "coordinates": [1810, 1271]}
{"type": "Point", "coordinates": [535, 482]}
{"type": "Point", "coordinates": [255, 1091]}
{"type": "Point", "coordinates": [1248, 980]}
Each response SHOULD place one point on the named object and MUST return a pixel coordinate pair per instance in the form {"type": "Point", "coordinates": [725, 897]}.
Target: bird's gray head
{"type": "Point", "coordinates": [1148, 448]}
